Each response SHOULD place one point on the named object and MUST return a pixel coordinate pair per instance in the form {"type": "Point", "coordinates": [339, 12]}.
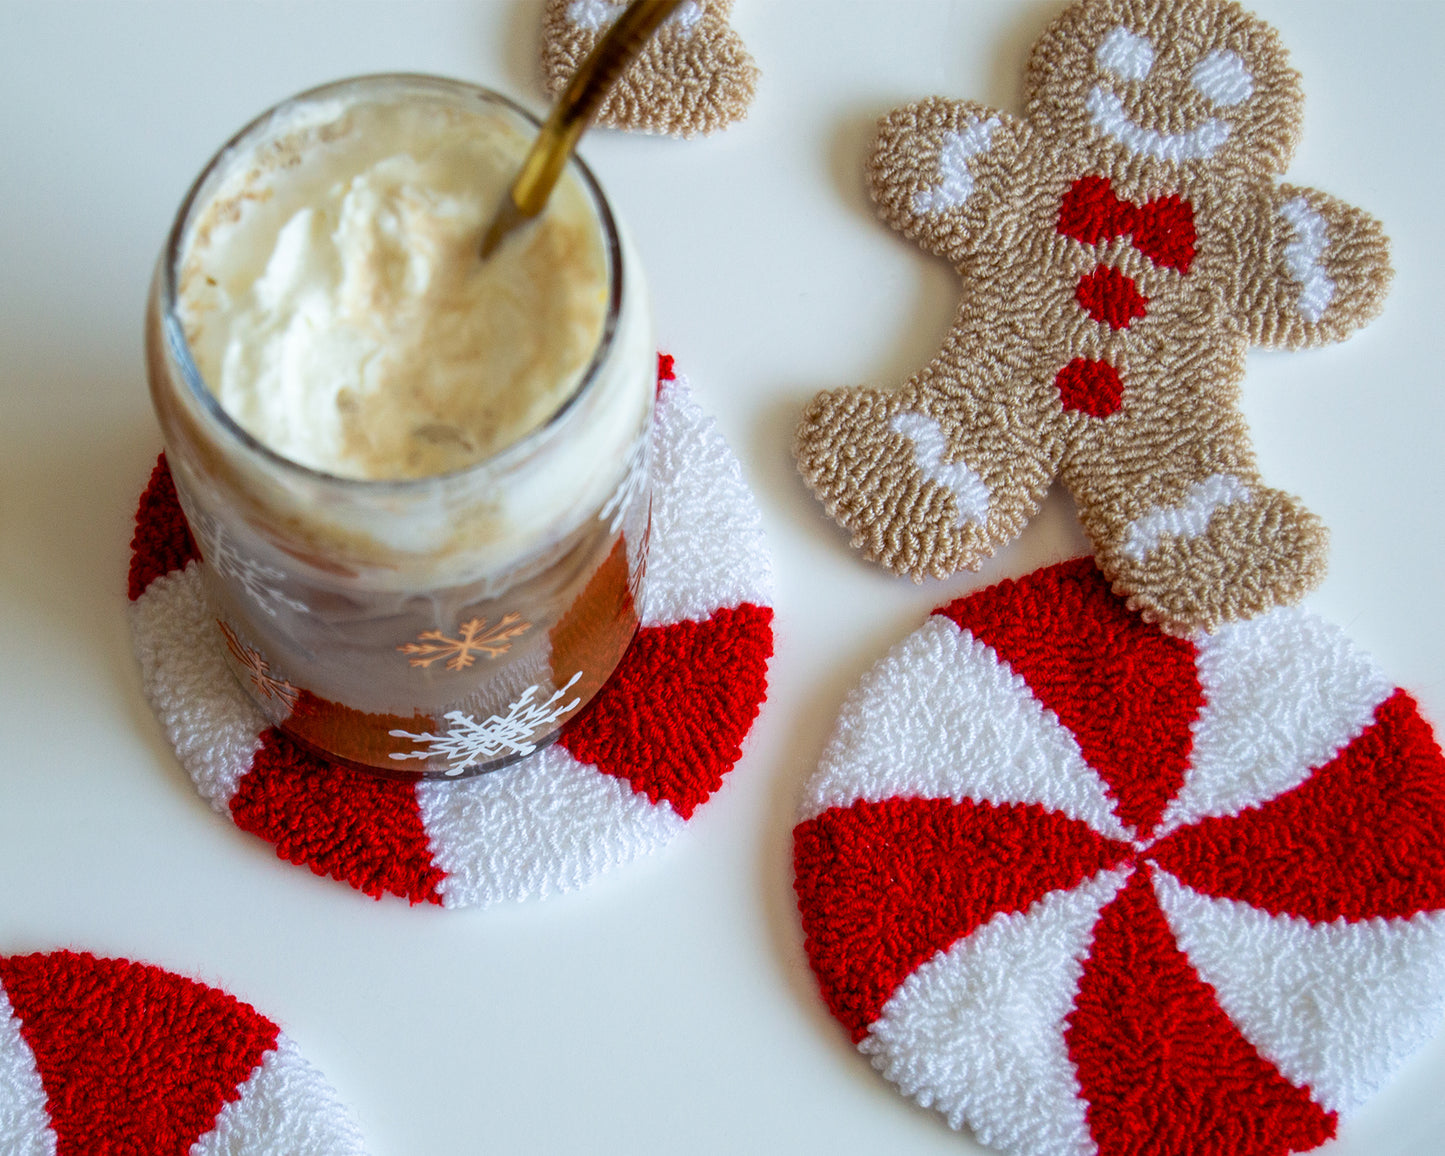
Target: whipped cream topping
{"type": "Point", "coordinates": [335, 303]}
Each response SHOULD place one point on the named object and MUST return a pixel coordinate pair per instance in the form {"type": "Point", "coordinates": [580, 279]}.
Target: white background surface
{"type": "Point", "coordinates": [667, 1007]}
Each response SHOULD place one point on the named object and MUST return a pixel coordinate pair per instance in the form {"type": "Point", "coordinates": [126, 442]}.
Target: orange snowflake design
{"type": "Point", "coordinates": [476, 637]}
{"type": "Point", "coordinates": [258, 670]}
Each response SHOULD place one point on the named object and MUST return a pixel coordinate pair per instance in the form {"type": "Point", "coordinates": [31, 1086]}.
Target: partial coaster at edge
{"type": "Point", "coordinates": [107, 1055]}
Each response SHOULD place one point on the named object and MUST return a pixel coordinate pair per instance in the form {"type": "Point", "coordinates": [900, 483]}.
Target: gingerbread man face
{"type": "Point", "coordinates": [1200, 87]}
{"type": "Point", "coordinates": [1120, 247]}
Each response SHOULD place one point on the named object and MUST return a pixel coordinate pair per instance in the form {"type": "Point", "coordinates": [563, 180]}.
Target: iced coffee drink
{"type": "Point", "coordinates": [417, 479]}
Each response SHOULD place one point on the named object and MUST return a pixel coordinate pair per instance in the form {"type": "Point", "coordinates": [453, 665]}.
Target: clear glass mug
{"type": "Point", "coordinates": [423, 627]}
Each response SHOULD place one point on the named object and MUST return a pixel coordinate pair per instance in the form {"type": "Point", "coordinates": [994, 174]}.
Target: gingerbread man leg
{"type": "Point", "coordinates": [1183, 526]}
{"type": "Point", "coordinates": [935, 477]}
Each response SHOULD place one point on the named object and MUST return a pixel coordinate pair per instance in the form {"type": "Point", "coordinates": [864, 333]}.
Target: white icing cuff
{"type": "Point", "coordinates": [1189, 519]}
{"type": "Point", "coordinates": [955, 181]}
{"type": "Point", "coordinates": [968, 488]}
{"type": "Point", "coordinates": [1302, 258]}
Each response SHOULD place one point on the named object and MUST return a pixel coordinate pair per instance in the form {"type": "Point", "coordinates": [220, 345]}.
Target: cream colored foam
{"type": "Point", "coordinates": [336, 305]}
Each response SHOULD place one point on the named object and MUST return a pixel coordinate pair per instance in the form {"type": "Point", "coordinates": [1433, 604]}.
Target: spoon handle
{"type": "Point", "coordinates": [573, 112]}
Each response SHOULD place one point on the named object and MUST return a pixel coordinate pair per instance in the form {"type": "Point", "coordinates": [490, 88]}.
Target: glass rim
{"type": "Point", "coordinates": [180, 349]}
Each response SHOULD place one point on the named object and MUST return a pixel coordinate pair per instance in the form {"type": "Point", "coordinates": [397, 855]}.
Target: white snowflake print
{"type": "Point", "coordinates": [256, 578]}
{"type": "Point", "coordinates": [469, 742]}
{"type": "Point", "coordinates": [621, 500]}
{"type": "Point", "coordinates": [259, 670]}
{"type": "Point", "coordinates": [474, 637]}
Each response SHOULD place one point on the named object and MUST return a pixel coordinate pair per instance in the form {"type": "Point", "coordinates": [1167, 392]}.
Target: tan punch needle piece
{"type": "Point", "coordinates": [695, 76]}
{"type": "Point", "coordinates": [1121, 245]}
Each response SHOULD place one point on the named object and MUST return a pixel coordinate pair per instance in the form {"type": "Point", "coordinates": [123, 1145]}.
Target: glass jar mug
{"type": "Point", "coordinates": [418, 481]}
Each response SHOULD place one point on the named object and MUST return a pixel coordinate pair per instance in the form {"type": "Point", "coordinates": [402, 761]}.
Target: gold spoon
{"type": "Point", "coordinates": [572, 113]}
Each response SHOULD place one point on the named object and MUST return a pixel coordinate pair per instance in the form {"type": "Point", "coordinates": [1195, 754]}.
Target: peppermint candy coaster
{"type": "Point", "coordinates": [622, 779]}
{"type": "Point", "coordinates": [106, 1055]}
{"type": "Point", "coordinates": [1088, 887]}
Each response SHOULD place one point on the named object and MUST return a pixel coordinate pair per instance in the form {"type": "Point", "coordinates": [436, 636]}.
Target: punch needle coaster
{"type": "Point", "coordinates": [1121, 246]}
{"type": "Point", "coordinates": [622, 779]}
{"type": "Point", "coordinates": [109, 1056]}
{"type": "Point", "coordinates": [1086, 887]}
{"type": "Point", "coordinates": [694, 76]}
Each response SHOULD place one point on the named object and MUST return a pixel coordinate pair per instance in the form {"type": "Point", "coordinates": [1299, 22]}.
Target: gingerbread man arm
{"type": "Point", "coordinates": [936, 165]}
{"type": "Point", "coordinates": [1310, 269]}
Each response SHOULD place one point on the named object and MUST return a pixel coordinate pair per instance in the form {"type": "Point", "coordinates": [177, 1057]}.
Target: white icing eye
{"type": "Point", "coordinates": [1222, 78]}
{"type": "Point", "coordinates": [1126, 55]}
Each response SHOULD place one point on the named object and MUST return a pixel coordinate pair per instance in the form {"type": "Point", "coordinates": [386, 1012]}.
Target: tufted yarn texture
{"type": "Point", "coordinates": [621, 780]}
{"type": "Point", "coordinates": [100, 1057]}
{"type": "Point", "coordinates": [1121, 245]}
{"type": "Point", "coordinates": [1087, 887]}
{"type": "Point", "coordinates": [695, 76]}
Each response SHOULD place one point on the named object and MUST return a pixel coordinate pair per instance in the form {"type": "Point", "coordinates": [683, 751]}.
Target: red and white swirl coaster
{"type": "Point", "coordinates": [623, 778]}
{"type": "Point", "coordinates": [106, 1055]}
{"type": "Point", "coordinates": [1086, 887]}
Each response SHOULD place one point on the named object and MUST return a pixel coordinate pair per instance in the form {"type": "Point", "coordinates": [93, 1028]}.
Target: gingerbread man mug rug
{"type": "Point", "coordinates": [625, 774]}
{"type": "Point", "coordinates": [1121, 246]}
{"type": "Point", "coordinates": [1084, 887]}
